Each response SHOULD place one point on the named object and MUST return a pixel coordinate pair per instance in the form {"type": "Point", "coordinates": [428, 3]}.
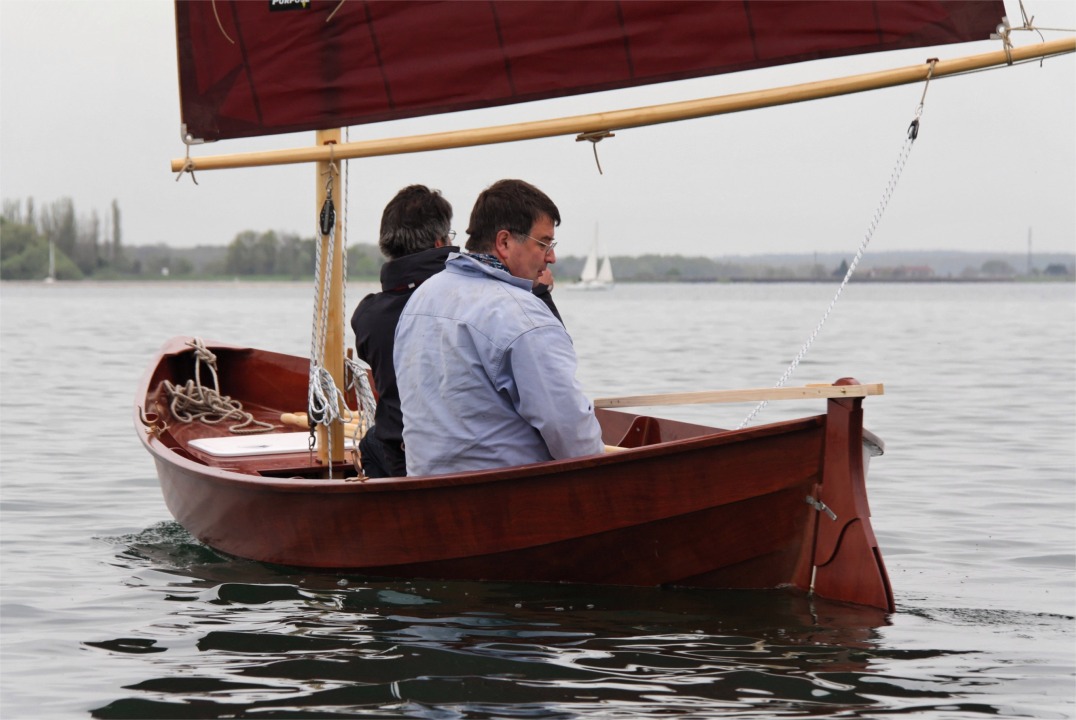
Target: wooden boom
{"type": "Point", "coordinates": [634, 117]}
{"type": "Point", "coordinates": [748, 395]}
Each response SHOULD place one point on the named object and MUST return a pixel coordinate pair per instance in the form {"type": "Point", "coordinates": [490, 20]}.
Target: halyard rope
{"type": "Point", "coordinates": [887, 194]}
{"type": "Point", "coordinates": [357, 370]}
{"type": "Point", "coordinates": [360, 384]}
{"type": "Point", "coordinates": [324, 400]}
{"type": "Point", "coordinates": [220, 26]}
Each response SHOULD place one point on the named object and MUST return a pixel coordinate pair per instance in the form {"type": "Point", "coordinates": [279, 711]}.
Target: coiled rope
{"type": "Point", "coordinates": [359, 383]}
{"type": "Point", "coordinates": [194, 402]}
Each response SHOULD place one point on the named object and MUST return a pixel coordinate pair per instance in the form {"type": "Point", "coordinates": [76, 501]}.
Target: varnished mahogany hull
{"type": "Point", "coordinates": [684, 505]}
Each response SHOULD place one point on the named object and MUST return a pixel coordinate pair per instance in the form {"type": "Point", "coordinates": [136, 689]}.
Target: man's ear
{"type": "Point", "coordinates": [500, 244]}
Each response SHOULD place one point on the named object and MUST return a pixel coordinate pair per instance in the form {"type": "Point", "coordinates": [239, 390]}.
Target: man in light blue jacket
{"type": "Point", "coordinates": [486, 372]}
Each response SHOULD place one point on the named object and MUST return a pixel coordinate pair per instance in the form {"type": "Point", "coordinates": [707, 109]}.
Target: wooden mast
{"type": "Point", "coordinates": [331, 274]}
{"type": "Point", "coordinates": [634, 117]}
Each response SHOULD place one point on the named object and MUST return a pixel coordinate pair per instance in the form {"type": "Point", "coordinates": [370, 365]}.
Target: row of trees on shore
{"type": "Point", "coordinates": [90, 246]}
{"type": "Point", "coordinates": [80, 245]}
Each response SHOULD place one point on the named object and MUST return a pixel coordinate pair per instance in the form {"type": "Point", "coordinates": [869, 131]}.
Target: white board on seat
{"type": "Point", "coordinates": [263, 444]}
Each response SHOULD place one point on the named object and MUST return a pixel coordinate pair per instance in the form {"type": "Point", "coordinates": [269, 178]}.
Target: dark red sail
{"type": "Point", "coordinates": [261, 67]}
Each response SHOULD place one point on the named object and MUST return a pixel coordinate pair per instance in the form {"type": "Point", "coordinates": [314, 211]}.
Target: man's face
{"type": "Point", "coordinates": [526, 256]}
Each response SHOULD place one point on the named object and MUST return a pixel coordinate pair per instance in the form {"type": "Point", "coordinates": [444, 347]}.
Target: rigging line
{"type": "Point", "coordinates": [1039, 60]}
{"type": "Point", "coordinates": [335, 9]}
{"type": "Point", "coordinates": [188, 166]}
{"type": "Point", "coordinates": [1004, 31]}
{"type": "Point", "coordinates": [1029, 24]}
{"type": "Point", "coordinates": [594, 138]}
{"type": "Point", "coordinates": [324, 402]}
{"type": "Point", "coordinates": [323, 406]}
{"type": "Point", "coordinates": [342, 171]}
{"type": "Point", "coordinates": [220, 25]}
{"type": "Point", "coordinates": [887, 194]}
{"type": "Point", "coordinates": [358, 379]}
{"type": "Point", "coordinates": [926, 86]}
{"type": "Point", "coordinates": [347, 201]}
{"type": "Point", "coordinates": [360, 383]}
{"type": "Point", "coordinates": [1023, 14]}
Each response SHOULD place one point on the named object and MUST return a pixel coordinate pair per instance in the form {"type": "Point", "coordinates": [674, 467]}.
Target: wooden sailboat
{"type": "Point", "coordinates": [671, 503]}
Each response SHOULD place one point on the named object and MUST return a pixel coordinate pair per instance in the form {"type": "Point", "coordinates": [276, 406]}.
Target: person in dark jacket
{"type": "Point", "coordinates": [416, 237]}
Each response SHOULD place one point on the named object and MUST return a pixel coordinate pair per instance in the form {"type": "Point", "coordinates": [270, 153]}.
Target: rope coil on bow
{"type": "Point", "coordinates": [194, 402]}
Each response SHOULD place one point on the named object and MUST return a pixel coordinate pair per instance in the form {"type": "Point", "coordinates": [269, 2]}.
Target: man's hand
{"type": "Point", "coordinates": [545, 278]}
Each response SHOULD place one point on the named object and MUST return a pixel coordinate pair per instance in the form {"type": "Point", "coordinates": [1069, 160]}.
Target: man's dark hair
{"type": "Point", "coordinates": [512, 205]}
{"type": "Point", "coordinates": [413, 221]}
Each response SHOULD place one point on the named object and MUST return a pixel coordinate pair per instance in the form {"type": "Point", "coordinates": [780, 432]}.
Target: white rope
{"type": "Point", "coordinates": [360, 384]}
{"type": "Point", "coordinates": [1004, 32]}
{"type": "Point", "coordinates": [347, 202]}
{"type": "Point", "coordinates": [325, 403]}
{"type": "Point", "coordinates": [193, 402]}
{"type": "Point", "coordinates": [913, 131]}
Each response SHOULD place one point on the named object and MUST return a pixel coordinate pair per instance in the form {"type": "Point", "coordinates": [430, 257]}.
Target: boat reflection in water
{"type": "Point", "coordinates": [253, 639]}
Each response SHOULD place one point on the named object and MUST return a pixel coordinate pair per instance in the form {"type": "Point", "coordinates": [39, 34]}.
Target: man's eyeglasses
{"type": "Point", "coordinates": [547, 245]}
{"type": "Point", "coordinates": [450, 236]}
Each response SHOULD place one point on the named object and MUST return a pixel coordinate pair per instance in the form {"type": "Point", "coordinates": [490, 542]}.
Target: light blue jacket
{"type": "Point", "coordinates": [487, 375]}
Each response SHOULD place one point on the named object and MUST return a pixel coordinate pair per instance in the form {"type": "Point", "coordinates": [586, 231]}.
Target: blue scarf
{"type": "Point", "coordinates": [488, 260]}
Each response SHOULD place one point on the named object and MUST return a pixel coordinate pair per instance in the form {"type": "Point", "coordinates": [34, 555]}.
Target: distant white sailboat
{"type": "Point", "coordinates": [596, 276]}
{"type": "Point", "coordinates": [51, 277]}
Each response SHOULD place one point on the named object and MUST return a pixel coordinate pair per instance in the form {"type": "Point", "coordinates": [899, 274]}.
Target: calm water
{"type": "Point", "coordinates": [109, 609]}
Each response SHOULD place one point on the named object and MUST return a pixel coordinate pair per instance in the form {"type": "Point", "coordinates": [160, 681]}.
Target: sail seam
{"type": "Point", "coordinates": [750, 29]}
{"type": "Point", "coordinates": [377, 54]}
{"type": "Point", "coordinates": [257, 106]}
{"type": "Point", "coordinates": [627, 46]}
{"type": "Point", "coordinates": [504, 53]}
{"type": "Point", "coordinates": [877, 23]}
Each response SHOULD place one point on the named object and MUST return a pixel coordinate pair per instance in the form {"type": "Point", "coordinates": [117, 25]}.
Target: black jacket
{"type": "Point", "coordinates": [374, 322]}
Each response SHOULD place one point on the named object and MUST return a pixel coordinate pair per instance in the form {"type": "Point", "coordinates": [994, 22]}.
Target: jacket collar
{"type": "Point", "coordinates": [410, 271]}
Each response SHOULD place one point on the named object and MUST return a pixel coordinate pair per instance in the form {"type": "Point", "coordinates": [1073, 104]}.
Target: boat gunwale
{"type": "Point", "coordinates": [220, 473]}
{"type": "Point", "coordinates": [164, 453]}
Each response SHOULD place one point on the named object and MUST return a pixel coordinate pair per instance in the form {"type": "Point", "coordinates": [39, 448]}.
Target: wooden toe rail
{"type": "Point", "coordinates": [747, 395]}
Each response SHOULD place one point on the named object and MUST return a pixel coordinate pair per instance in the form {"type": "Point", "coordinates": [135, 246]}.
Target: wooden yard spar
{"type": "Point", "coordinates": [635, 117]}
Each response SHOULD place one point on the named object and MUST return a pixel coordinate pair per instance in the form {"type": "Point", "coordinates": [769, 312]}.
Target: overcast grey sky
{"type": "Point", "coordinates": [89, 109]}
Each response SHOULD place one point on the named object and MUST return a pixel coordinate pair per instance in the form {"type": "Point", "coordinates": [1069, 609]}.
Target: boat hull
{"type": "Point", "coordinates": [682, 505]}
